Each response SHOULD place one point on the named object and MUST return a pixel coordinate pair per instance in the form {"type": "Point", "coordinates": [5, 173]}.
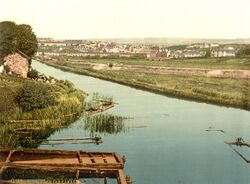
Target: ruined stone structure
{"type": "Point", "coordinates": [17, 64]}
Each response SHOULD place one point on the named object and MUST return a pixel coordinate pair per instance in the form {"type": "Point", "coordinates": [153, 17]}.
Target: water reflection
{"type": "Point", "coordinates": [105, 124]}
{"type": "Point", "coordinates": [24, 135]}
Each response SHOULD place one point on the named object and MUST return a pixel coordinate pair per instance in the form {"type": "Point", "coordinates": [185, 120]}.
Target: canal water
{"type": "Point", "coordinates": [166, 141]}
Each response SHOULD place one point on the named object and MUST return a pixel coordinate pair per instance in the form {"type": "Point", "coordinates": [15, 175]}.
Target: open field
{"type": "Point", "coordinates": [205, 63]}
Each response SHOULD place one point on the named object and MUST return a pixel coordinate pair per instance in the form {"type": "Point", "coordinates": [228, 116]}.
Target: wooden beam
{"type": "Point", "coordinates": [105, 180]}
{"type": "Point", "coordinates": [77, 174]}
{"type": "Point", "coordinates": [121, 178]}
{"type": "Point", "coordinates": [9, 156]}
{"type": "Point", "coordinates": [79, 157]}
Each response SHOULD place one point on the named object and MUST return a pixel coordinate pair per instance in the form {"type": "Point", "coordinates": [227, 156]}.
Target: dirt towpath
{"type": "Point", "coordinates": [223, 73]}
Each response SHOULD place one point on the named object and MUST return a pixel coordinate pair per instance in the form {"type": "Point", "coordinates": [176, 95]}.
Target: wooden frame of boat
{"type": "Point", "coordinates": [76, 164]}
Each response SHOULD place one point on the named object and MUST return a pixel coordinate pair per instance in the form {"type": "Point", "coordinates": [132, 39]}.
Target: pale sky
{"type": "Point", "coordinates": [82, 19]}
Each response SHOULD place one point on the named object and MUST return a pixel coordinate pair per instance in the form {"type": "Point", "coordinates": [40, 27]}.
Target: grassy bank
{"type": "Point", "coordinates": [21, 126]}
{"type": "Point", "coordinates": [208, 63]}
{"type": "Point", "coordinates": [222, 91]}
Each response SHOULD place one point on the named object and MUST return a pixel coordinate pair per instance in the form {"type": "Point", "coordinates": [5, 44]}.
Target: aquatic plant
{"type": "Point", "coordinates": [97, 102]}
{"type": "Point", "coordinates": [105, 124]}
{"type": "Point", "coordinates": [106, 100]}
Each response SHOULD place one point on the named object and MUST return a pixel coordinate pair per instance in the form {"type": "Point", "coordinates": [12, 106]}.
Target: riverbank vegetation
{"type": "Point", "coordinates": [25, 99]}
{"type": "Point", "coordinates": [242, 63]}
{"type": "Point", "coordinates": [223, 91]}
{"type": "Point", "coordinates": [30, 109]}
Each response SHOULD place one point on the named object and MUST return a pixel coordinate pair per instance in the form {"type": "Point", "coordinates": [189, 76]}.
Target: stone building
{"type": "Point", "coordinates": [17, 64]}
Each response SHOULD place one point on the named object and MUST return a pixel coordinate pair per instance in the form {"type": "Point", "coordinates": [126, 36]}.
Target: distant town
{"type": "Point", "coordinates": [49, 47]}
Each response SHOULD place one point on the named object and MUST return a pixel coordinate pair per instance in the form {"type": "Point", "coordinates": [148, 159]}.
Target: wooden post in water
{"type": "Point", "coordinates": [105, 180]}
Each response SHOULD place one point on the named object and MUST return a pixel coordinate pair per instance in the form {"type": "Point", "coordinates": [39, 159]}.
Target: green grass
{"type": "Point", "coordinates": [70, 104]}
{"type": "Point", "coordinates": [208, 63]}
{"type": "Point", "coordinates": [223, 91]}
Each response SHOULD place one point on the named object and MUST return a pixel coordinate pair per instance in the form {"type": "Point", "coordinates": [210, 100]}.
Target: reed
{"type": "Point", "coordinates": [97, 101]}
{"type": "Point", "coordinates": [105, 124]}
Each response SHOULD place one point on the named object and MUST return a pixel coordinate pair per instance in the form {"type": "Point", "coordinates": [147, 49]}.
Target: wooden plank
{"type": "Point", "coordinates": [79, 156]}
{"type": "Point", "coordinates": [77, 174]}
{"type": "Point", "coordinates": [105, 180]}
{"type": "Point", "coordinates": [2, 170]}
{"type": "Point", "coordinates": [121, 178]}
{"type": "Point", "coordinates": [74, 139]}
{"type": "Point", "coordinates": [9, 156]}
{"type": "Point", "coordinates": [63, 165]}
{"type": "Point", "coordinates": [238, 143]}
{"type": "Point", "coordinates": [101, 164]}
{"type": "Point", "coordinates": [118, 158]}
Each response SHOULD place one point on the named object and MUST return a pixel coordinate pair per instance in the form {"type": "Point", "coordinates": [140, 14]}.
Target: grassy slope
{"type": "Point", "coordinates": [65, 94]}
{"type": "Point", "coordinates": [70, 104]}
{"type": "Point", "coordinates": [229, 92]}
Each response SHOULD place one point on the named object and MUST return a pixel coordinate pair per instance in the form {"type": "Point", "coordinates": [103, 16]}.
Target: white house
{"type": "Point", "coordinates": [223, 53]}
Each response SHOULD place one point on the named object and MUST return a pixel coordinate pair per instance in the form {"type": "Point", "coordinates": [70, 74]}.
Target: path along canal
{"type": "Point", "coordinates": [166, 141]}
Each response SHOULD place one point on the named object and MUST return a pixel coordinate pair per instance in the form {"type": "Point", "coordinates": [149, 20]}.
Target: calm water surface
{"type": "Point", "coordinates": [173, 147]}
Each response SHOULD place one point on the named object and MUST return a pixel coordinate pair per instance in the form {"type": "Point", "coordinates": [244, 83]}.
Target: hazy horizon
{"type": "Point", "coordinates": [120, 19]}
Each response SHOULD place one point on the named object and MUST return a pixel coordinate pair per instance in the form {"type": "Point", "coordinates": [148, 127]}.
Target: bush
{"type": "Point", "coordinates": [35, 96]}
{"type": "Point", "coordinates": [7, 99]}
{"type": "Point", "coordinates": [68, 84]}
{"type": "Point", "coordinates": [7, 69]}
{"type": "Point", "coordinates": [33, 74]}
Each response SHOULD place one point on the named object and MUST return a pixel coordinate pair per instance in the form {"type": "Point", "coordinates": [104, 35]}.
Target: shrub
{"type": "Point", "coordinates": [68, 83]}
{"type": "Point", "coordinates": [7, 99]}
{"type": "Point", "coordinates": [7, 69]}
{"type": "Point", "coordinates": [35, 96]}
{"type": "Point", "coordinates": [33, 74]}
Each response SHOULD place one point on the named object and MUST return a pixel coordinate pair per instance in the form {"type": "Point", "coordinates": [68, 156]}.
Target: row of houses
{"type": "Point", "coordinates": [202, 45]}
{"type": "Point", "coordinates": [83, 54]}
{"type": "Point", "coordinates": [104, 48]}
{"type": "Point", "coordinates": [223, 53]}
{"type": "Point", "coordinates": [90, 46]}
{"type": "Point", "coordinates": [167, 54]}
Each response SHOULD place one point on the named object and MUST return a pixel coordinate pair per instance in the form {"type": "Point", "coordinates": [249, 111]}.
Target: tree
{"type": "Point", "coordinates": [14, 38]}
{"type": "Point", "coordinates": [26, 40]}
{"type": "Point", "coordinates": [8, 38]}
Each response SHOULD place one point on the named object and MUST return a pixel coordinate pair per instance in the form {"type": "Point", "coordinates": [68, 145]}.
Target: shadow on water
{"type": "Point", "coordinates": [24, 135]}
{"type": "Point", "coordinates": [20, 175]}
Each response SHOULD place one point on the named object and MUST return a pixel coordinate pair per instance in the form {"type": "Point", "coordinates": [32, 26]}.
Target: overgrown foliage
{"type": "Point", "coordinates": [33, 74]}
{"type": "Point", "coordinates": [39, 122]}
{"type": "Point", "coordinates": [7, 99]}
{"type": "Point", "coordinates": [35, 96]}
{"type": "Point", "coordinates": [15, 38]}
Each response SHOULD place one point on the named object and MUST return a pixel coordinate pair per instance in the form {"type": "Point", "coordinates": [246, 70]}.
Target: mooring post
{"type": "Point", "coordinates": [105, 180]}
{"type": "Point", "coordinates": [77, 174]}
